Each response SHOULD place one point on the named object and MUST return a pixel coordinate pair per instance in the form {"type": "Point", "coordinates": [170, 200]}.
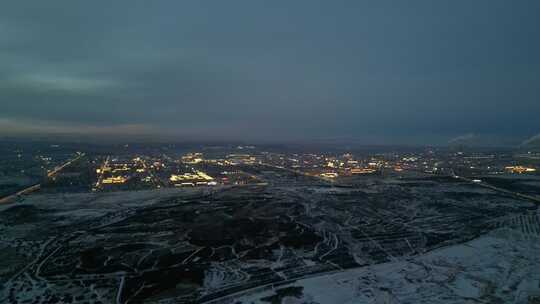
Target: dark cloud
{"type": "Point", "coordinates": [384, 71]}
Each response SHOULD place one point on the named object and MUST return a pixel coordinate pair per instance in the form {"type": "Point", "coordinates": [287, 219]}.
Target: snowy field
{"type": "Point", "coordinates": [501, 267]}
{"type": "Point", "coordinates": [403, 241]}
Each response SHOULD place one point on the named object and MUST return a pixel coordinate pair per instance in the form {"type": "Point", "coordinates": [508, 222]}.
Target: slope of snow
{"type": "Point", "coordinates": [502, 267]}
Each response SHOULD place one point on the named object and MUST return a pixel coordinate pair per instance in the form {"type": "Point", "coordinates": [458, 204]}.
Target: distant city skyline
{"type": "Point", "coordinates": [370, 72]}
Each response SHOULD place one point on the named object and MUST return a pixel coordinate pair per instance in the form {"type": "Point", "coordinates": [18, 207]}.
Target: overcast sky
{"type": "Point", "coordinates": [371, 71]}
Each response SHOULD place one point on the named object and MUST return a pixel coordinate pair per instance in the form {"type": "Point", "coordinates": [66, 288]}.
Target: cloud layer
{"type": "Point", "coordinates": [390, 71]}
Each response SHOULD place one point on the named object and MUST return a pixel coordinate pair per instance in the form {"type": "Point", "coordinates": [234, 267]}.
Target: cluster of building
{"type": "Point", "coordinates": [519, 169]}
{"type": "Point", "coordinates": [330, 167]}
{"type": "Point", "coordinates": [191, 169]}
{"type": "Point", "coordinates": [198, 178]}
{"type": "Point", "coordinates": [194, 169]}
{"type": "Point", "coordinates": [113, 173]}
{"type": "Point", "coordinates": [119, 171]}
